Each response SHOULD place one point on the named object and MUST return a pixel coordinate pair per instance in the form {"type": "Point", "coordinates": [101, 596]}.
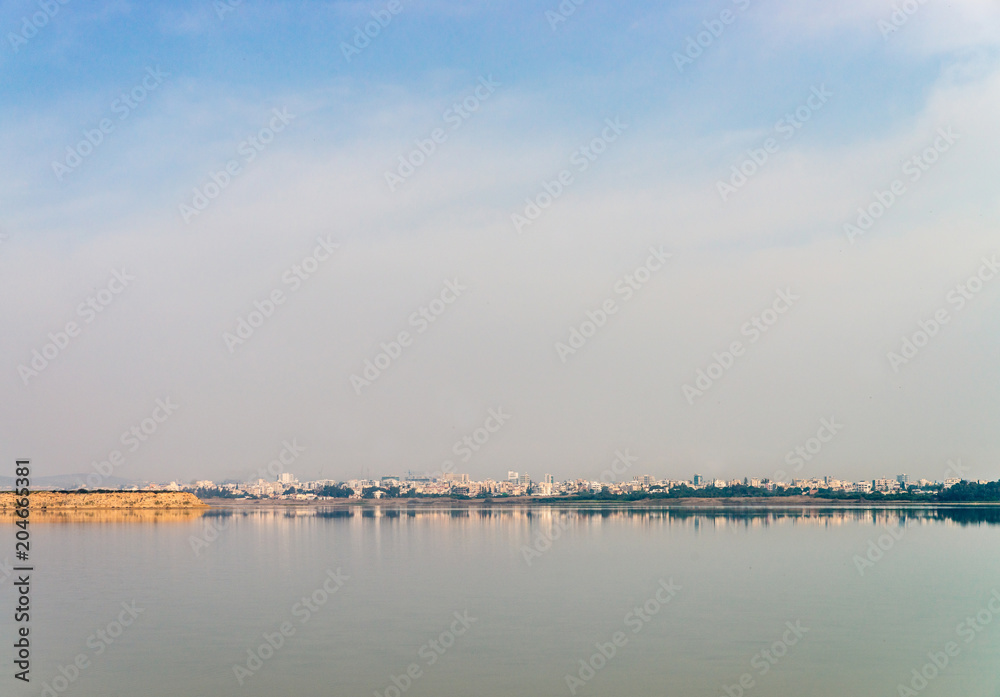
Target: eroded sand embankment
{"type": "Point", "coordinates": [48, 500]}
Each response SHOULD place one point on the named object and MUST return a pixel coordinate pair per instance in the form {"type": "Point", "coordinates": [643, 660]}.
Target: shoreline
{"type": "Point", "coordinates": [538, 502]}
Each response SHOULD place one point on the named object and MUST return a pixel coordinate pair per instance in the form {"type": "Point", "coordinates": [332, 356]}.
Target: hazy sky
{"type": "Point", "coordinates": [615, 123]}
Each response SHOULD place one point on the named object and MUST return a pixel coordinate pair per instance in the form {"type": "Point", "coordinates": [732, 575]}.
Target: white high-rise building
{"type": "Point", "coordinates": [286, 478]}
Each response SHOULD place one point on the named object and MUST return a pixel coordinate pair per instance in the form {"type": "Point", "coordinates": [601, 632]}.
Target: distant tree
{"type": "Point", "coordinates": [215, 493]}
{"type": "Point", "coordinates": [971, 491]}
{"type": "Point", "coordinates": [334, 491]}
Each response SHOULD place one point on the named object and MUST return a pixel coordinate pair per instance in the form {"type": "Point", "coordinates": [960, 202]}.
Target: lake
{"type": "Point", "coordinates": [513, 601]}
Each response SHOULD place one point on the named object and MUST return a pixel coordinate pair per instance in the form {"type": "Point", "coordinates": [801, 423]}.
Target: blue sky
{"type": "Point", "coordinates": [558, 81]}
{"type": "Point", "coordinates": [325, 173]}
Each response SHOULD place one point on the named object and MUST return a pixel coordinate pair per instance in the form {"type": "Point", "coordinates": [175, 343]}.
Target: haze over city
{"type": "Point", "coordinates": [552, 187]}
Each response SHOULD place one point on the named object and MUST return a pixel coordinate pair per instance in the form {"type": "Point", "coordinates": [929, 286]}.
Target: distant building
{"type": "Point", "coordinates": [548, 479]}
{"type": "Point", "coordinates": [524, 479]}
{"type": "Point", "coordinates": [698, 480]}
{"type": "Point", "coordinates": [511, 476]}
{"type": "Point", "coordinates": [286, 478]}
{"type": "Point", "coordinates": [883, 484]}
{"type": "Point", "coordinates": [903, 479]}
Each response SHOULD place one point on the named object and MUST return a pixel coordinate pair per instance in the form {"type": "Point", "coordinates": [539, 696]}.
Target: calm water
{"type": "Point", "coordinates": [737, 582]}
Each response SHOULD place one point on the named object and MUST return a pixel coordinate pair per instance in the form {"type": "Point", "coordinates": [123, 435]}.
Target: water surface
{"type": "Point", "coordinates": [539, 589]}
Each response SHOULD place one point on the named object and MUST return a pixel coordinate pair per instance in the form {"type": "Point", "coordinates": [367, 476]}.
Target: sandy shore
{"type": "Point", "coordinates": [48, 500]}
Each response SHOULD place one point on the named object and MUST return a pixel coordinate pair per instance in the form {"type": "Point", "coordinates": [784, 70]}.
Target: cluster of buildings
{"type": "Point", "coordinates": [521, 484]}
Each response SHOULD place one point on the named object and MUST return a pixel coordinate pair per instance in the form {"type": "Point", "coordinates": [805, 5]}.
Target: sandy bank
{"type": "Point", "coordinates": [47, 500]}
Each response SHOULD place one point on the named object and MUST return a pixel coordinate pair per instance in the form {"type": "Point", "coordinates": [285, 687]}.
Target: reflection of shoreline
{"type": "Point", "coordinates": [356, 513]}
{"type": "Point", "coordinates": [106, 515]}
{"type": "Point", "coordinates": [531, 515]}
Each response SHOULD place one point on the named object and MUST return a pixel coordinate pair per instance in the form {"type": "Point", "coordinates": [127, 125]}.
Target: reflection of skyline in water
{"type": "Point", "coordinates": [750, 517]}
{"type": "Point", "coordinates": [686, 517]}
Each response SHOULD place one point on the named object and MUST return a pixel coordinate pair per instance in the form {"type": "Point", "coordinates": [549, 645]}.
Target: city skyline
{"type": "Point", "coordinates": [620, 468]}
{"type": "Point", "coordinates": [521, 483]}
{"type": "Point", "coordinates": [369, 252]}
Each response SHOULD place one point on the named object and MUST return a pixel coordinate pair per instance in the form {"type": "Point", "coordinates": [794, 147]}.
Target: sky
{"type": "Point", "coordinates": [376, 238]}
